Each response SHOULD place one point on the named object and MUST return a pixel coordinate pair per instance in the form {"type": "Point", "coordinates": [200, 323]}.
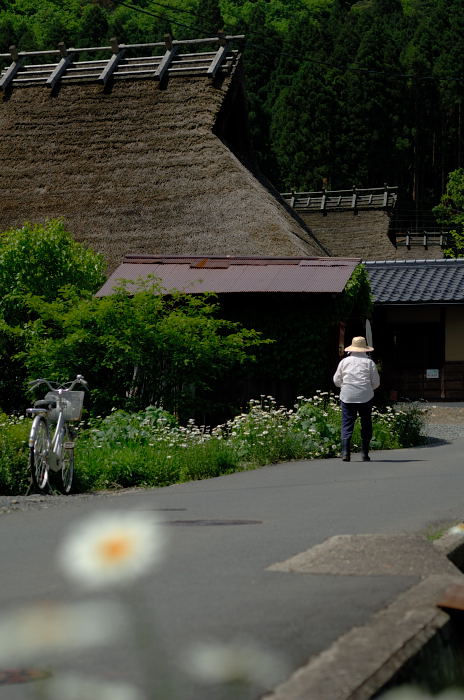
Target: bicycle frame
{"type": "Point", "coordinates": [57, 445]}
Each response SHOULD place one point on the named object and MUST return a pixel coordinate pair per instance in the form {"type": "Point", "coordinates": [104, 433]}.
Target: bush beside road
{"type": "Point", "coordinates": [150, 448]}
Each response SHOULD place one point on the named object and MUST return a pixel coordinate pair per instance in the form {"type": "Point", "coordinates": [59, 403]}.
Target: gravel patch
{"type": "Point", "coordinates": [11, 504]}
{"type": "Point", "coordinates": [443, 433]}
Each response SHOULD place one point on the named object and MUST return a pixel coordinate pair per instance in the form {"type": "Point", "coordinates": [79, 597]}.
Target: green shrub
{"type": "Point", "coordinates": [14, 477]}
{"type": "Point", "coordinates": [405, 425]}
{"type": "Point", "coordinates": [150, 448]}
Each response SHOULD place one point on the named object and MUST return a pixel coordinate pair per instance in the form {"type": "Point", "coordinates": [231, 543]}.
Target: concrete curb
{"type": "Point", "coordinates": [360, 663]}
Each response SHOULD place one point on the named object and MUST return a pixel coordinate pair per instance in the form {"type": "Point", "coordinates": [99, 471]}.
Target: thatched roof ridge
{"type": "Point", "coordinates": [139, 169]}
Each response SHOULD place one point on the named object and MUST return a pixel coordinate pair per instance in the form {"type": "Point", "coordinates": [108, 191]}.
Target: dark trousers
{"type": "Point", "coordinates": [350, 412]}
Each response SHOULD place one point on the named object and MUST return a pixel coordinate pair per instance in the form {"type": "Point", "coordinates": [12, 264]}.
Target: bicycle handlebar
{"type": "Point", "coordinates": [54, 386]}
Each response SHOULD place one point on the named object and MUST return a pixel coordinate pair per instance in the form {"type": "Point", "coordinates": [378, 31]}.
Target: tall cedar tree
{"type": "Point", "coordinates": [209, 17]}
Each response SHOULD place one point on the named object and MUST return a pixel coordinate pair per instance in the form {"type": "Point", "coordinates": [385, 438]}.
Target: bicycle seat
{"type": "Point", "coordinates": [45, 403]}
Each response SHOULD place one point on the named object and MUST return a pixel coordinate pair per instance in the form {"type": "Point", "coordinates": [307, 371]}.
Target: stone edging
{"type": "Point", "coordinates": [362, 661]}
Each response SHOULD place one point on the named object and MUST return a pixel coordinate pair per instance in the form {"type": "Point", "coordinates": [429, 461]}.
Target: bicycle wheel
{"type": "Point", "coordinates": [67, 462]}
{"type": "Point", "coordinates": [38, 453]}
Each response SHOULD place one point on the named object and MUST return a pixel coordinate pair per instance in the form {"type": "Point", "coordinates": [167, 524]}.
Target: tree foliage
{"type": "Point", "coordinates": [450, 212]}
{"type": "Point", "coordinates": [39, 261]}
{"type": "Point", "coordinates": [137, 348]}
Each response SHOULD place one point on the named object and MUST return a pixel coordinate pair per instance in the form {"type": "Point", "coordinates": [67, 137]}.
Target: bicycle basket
{"type": "Point", "coordinates": [72, 402]}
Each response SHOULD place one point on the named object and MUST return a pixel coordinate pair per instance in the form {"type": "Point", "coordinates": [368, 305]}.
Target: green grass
{"type": "Point", "coordinates": [14, 477]}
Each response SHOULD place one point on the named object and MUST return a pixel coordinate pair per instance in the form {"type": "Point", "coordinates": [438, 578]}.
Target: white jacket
{"type": "Point", "coordinates": [357, 376]}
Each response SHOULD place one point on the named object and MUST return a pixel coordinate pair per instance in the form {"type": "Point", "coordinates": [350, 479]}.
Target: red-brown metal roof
{"type": "Point", "coordinates": [236, 274]}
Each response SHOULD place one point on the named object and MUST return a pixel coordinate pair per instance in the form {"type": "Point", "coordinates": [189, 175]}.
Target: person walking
{"type": "Point", "coordinates": [357, 377]}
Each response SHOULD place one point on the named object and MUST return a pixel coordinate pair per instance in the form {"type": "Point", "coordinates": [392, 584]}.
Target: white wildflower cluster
{"type": "Point", "coordinates": [266, 432]}
{"type": "Point", "coordinates": [10, 421]}
{"type": "Point", "coordinates": [152, 427]}
{"type": "Point", "coordinates": [317, 419]}
{"type": "Point", "coordinates": [261, 434]}
{"type": "Point", "coordinates": [321, 399]}
{"type": "Point", "coordinates": [264, 424]}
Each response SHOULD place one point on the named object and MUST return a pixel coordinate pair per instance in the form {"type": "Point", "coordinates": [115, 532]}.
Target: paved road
{"type": "Point", "coordinates": [215, 582]}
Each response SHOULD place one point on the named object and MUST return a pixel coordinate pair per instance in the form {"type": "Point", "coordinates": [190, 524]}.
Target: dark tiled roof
{"type": "Point", "coordinates": [417, 281]}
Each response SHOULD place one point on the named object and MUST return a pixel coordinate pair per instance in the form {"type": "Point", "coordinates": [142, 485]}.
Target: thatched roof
{"type": "Point", "coordinates": [367, 235]}
{"type": "Point", "coordinates": [136, 167]}
{"type": "Point", "coordinates": [361, 223]}
{"type": "Point", "coordinates": [363, 235]}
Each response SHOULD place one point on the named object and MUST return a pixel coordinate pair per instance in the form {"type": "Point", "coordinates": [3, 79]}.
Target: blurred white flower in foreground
{"type": "Point", "coordinates": [71, 687]}
{"type": "Point", "coordinates": [235, 662]}
{"type": "Point", "coordinates": [45, 629]}
{"type": "Point", "coordinates": [457, 529]}
{"type": "Point", "coordinates": [406, 692]}
{"type": "Point", "coordinates": [111, 548]}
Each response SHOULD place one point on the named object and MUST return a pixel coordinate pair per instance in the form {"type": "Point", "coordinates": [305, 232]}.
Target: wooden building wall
{"type": "Point", "coordinates": [421, 351]}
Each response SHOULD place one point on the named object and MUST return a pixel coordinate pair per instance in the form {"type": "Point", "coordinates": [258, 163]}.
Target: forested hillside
{"type": "Point", "coordinates": [340, 92]}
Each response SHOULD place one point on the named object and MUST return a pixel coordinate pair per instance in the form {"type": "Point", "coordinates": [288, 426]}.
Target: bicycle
{"type": "Point", "coordinates": [54, 455]}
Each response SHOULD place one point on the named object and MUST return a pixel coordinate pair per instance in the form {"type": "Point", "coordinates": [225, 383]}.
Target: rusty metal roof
{"type": "Point", "coordinates": [225, 275]}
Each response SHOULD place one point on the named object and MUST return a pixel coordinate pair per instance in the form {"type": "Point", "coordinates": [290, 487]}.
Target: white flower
{"type": "Point", "coordinates": [457, 529]}
{"type": "Point", "coordinates": [111, 548]}
{"type": "Point", "coordinates": [235, 662]}
{"type": "Point", "coordinates": [71, 687]}
{"type": "Point", "coordinates": [42, 630]}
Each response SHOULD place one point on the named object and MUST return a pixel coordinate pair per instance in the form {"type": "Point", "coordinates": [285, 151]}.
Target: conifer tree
{"type": "Point", "coordinates": [209, 17]}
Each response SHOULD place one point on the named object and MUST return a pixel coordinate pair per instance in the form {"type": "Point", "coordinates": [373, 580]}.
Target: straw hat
{"type": "Point", "coordinates": [359, 344]}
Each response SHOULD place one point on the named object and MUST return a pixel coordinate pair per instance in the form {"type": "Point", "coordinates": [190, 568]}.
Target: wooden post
{"type": "Point", "coordinates": [323, 200]}
{"type": "Point", "coordinates": [113, 63]}
{"type": "Point", "coordinates": [12, 70]}
{"type": "Point", "coordinates": [354, 198]}
{"type": "Point", "coordinates": [167, 59]}
{"type": "Point", "coordinates": [60, 70]}
{"type": "Point", "coordinates": [385, 196]}
{"type": "Point", "coordinates": [220, 56]}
